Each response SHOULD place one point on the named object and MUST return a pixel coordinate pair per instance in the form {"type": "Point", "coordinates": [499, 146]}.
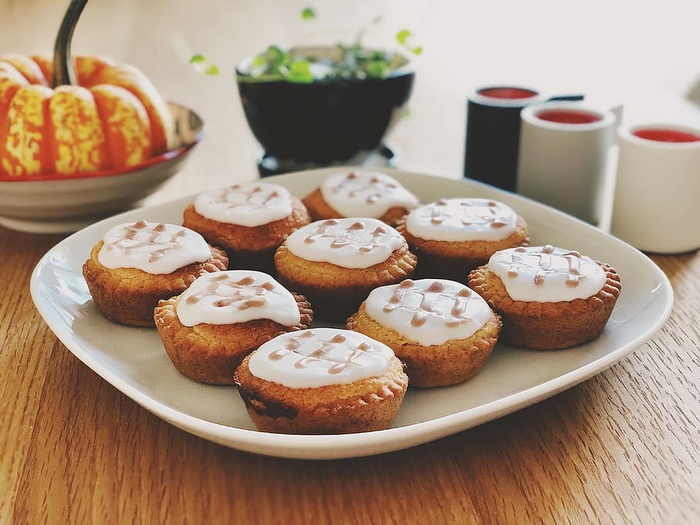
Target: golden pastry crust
{"type": "Point", "coordinates": [248, 247]}
{"type": "Point", "coordinates": [449, 363]}
{"type": "Point", "coordinates": [548, 325]}
{"type": "Point", "coordinates": [320, 209]}
{"type": "Point", "coordinates": [128, 295]}
{"type": "Point", "coordinates": [336, 292]}
{"type": "Point", "coordinates": [455, 259]}
{"type": "Point", "coordinates": [361, 406]}
{"type": "Point", "coordinates": [210, 353]}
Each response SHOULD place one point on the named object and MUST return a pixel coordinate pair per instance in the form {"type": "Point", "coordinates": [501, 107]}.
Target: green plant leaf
{"type": "Point", "coordinates": [201, 64]}
{"type": "Point", "coordinates": [308, 13]}
{"type": "Point", "coordinates": [377, 68]}
{"type": "Point", "coordinates": [404, 38]}
{"type": "Point", "coordinates": [300, 72]}
{"type": "Point", "coordinates": [276, 57]}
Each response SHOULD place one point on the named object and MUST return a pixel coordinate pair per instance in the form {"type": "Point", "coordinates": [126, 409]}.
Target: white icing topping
{"type": "Point", "coordinates": [365, 194]}
{"type": "Point", "coordinates": [462, 220]}
{"type": "Point", "coordinates": [320, 357]}
{"type": "Point", "coordinates": [248, 204]}
{"type": "Point", "coordinates": [349, 242]}
{"type": "Point", "coordinates": [547, 274]}
{"type": "Point", "coordinates": [237, 296]}
{"type": "Point", "coordinates": [153, 247]}
{"type": "Point", "coordinates": [428, 311]}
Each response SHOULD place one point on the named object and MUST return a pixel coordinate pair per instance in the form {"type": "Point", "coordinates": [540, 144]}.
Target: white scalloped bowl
{"type": "Point", "coordinates": [59, 204]}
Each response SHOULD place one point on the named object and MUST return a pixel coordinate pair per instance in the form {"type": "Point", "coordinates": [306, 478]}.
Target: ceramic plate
{"type": "Point", "coordinates": [133, 359]}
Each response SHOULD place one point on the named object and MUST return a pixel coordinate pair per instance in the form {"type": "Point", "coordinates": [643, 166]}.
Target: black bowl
{"type": "Point", "coordinates": [323, 122]}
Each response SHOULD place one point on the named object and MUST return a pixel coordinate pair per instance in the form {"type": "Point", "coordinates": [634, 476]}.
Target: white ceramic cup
{"type": "Point", "coordinates": [656, 207]}
{"type": "Point", "coordinates": [563, 159]}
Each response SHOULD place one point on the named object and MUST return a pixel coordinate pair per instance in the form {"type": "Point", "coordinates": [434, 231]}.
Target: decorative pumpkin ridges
{"type": "Point", "coordinates": [114, 118]}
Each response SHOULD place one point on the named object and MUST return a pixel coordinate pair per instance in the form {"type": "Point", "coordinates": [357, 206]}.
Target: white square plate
{"type": "Point", "coordinates": [134, 361]}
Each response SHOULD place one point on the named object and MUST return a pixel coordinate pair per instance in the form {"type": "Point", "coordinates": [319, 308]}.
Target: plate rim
{"type": "Point", "coordinates": [360, 444]}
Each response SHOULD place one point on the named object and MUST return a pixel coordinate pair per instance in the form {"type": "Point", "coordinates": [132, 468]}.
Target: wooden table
{"type": "Point", "coordinates": [623, 447]}
{"type": "Point", "coordinates": [620, 448]}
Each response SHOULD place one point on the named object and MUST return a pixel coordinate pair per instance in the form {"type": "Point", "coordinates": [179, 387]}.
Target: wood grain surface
{"type": "Point", "coordinates": [622, 447]}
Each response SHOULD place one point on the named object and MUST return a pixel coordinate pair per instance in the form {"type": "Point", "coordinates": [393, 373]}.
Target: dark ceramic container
{"type": "Point", "coordinates": [323, 122]}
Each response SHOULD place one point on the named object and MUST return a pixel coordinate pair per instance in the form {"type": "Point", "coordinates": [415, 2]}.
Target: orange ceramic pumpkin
{"type": "Point", "coordinates": [112, 119]}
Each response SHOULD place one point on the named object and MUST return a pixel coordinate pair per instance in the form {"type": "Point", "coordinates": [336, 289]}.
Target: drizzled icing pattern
{"type": "Point", "coordinates": [156, 248]}
{"type": "Point", "coordinates": [462, 220]}
{"type": "Point", "coordinates": [547, 274]}
{"type": "Point", "coordinates": [320, 357]}
{"type": "Point", "coordinates": [365, 194]}
{"type": "Point", "coordinates": [236, 296]}
{"type": "Point", "coordinates": [349, 242]}
{"type": "Point", "coordinates": [248, 204]}
{"type": "Point", "coordinates": [428, 311]}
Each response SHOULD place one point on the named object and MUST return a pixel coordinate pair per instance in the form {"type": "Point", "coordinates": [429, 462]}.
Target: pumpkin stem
{"type": "Point", "coordinates": [63, 68]}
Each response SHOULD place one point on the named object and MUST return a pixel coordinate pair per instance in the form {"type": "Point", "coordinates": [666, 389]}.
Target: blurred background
{"type": "Point", "coordinates": [641, 54]}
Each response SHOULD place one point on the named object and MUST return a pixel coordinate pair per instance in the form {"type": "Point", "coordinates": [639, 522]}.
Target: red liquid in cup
{"type": "Point", "coordinates": [568, 116]}
{"type": "Point", "coordinates": [666, 135]}
{"type": "Point", "coordinates": [507, 92]}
